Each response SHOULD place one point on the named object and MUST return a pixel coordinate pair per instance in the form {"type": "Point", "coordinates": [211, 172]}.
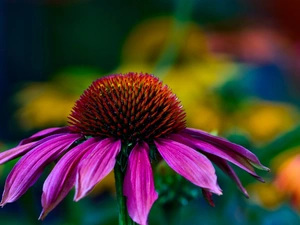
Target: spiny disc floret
{"type": "Point", "coordinates": [129, 107]}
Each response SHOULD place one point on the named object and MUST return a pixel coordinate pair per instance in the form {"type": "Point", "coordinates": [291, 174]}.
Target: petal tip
{"type": "Point", "coordinates": [77, 197]}
{"type": "Point", "coordinates": [217, 190]}
{"type": "Point", "coordinates": [42, 215]}
{"type": "Point", "coordinates": [260, 166]}
{"type": "Point", "coordinates": [3, 202]}
{"type": "Point", "coordinates": [245, 193]}
{"type": "Point", "coordinates": [261, 179]}
{"type": "Point", "coordinates": [79, 194]}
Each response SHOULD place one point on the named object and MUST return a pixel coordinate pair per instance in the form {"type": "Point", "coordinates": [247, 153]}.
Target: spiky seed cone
{"type": "Point", "coordinates": [130, 107]}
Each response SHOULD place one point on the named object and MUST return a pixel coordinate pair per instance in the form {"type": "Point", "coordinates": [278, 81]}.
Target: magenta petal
{"type": "Point", "coordinates": [223, 165]}
{"type": "Point", "coordinates": [226, 154]}
{"type": "Point", "coordinates": [139, 184]}
{"type": "Point", "coordinates": [23, 149]}
{"type": "Point", "coordinates": [97, 165]}
{"type": "Point", "coordinates": [15, 152]}
{"type": "Point", "coordinates": [62, 178]}
{"type": "Point", "coordinates": [30, 166]}
{"type": "Point", "coordinates": [43, 133]}
{"type": "Point", "coordinates": [223, 143]}
{"type": "Point", "coordinates": [189, 163]}
{"type": "Point", "coordinates": [208, 197]}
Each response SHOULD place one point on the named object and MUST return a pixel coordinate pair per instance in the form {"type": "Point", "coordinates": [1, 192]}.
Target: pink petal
{"type": "Point", "coordinates": [97, 165]}
{"type": "Point", "coordinates": [62, 178]}
{"type": "Point", "coordinates": [189, 163]}
{"type": "Point", "coordinates": [226, 154]}
{"type": "Point", "coordinates": [223, 143]}
{"type": "Point", "coordinates": [23, 149]}
{"type": "Point", "coordinates": [43, 133]}
{"type": "Point", "coordinates": [208, 197]}
{"type": "Point", "coordinates": [30, 166]}
{"type": "Point", "coordinates": [223, 165]}
{"type": "Point", "coordinates": [15, 152]}
{"type": "Point", "coordinates": [139, 184]}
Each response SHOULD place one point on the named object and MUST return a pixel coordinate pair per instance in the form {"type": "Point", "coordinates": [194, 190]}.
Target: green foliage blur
{"type": "Point", "coordinates": [234, 65]}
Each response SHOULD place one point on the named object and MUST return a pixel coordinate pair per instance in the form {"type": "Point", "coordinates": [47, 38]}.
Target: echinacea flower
{"type": "Point", "coordinates": [129, 117]}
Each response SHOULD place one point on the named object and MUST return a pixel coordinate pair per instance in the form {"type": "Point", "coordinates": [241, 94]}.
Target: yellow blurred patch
{"type": "Point", "coordinates": [147, 41]}
{"type": "Point", "coordinates": [266, 194]}
{"type": "Point", "coordinates": [50, 103]}
{"type": "Point", "coordinates": [43, 105]}
{"type": "Point", "coordinates": [266, 120]}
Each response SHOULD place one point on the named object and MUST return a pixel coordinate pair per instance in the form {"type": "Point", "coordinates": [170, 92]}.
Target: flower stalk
{"type": "Point", "coordinates": [124, 218]}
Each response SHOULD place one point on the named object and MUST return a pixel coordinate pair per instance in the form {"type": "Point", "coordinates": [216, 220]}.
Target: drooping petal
{"type": "Point", "coordinates": [15, 152]}
{"type": "Point", "coordinates": [62, 178]}
{"type": "Point", "coordinates": [223, 143]}
{"type": "Point", "coordinates": [30, 166]}
{"type": "Point", "coordinates": [23, 149]}
{"type": "Point", "coordinates": [223, 165]}
{"type": "Point", "coordinates": [96, 166]}
{"type": "Point", "coordinates": [43, 133]}
{"type": "Point", "coordinates": [189, 163]}
{"type": "Point", "coordinates": [218, 151]}
{"type": "Point", "coordinates": [139, 184]}
{"type": "Point", "coordinates": [219, 156]}
{"type": "Point", "coordinates": [208, 197]}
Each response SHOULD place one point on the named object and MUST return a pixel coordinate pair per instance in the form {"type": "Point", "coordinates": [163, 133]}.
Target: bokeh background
{"type": "Point", "coordinates": [234, 64]}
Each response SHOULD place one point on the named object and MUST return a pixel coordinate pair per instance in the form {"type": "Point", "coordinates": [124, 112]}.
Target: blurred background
{"type": "Point", "coordinates": [234, 64]}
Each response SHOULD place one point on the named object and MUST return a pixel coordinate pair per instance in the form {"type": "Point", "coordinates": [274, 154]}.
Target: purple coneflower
{"type": "Point", "coordinates": [123, 120]}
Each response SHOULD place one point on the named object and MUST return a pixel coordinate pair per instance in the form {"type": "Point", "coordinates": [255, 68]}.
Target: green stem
{"type": "Point", "coordinates": [124, 218]}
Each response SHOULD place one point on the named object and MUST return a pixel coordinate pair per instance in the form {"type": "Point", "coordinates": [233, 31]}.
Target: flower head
{"type": "Point", "coordinates": [123, 116]}
{"type": "Point", "coordinates": [131, 108]}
